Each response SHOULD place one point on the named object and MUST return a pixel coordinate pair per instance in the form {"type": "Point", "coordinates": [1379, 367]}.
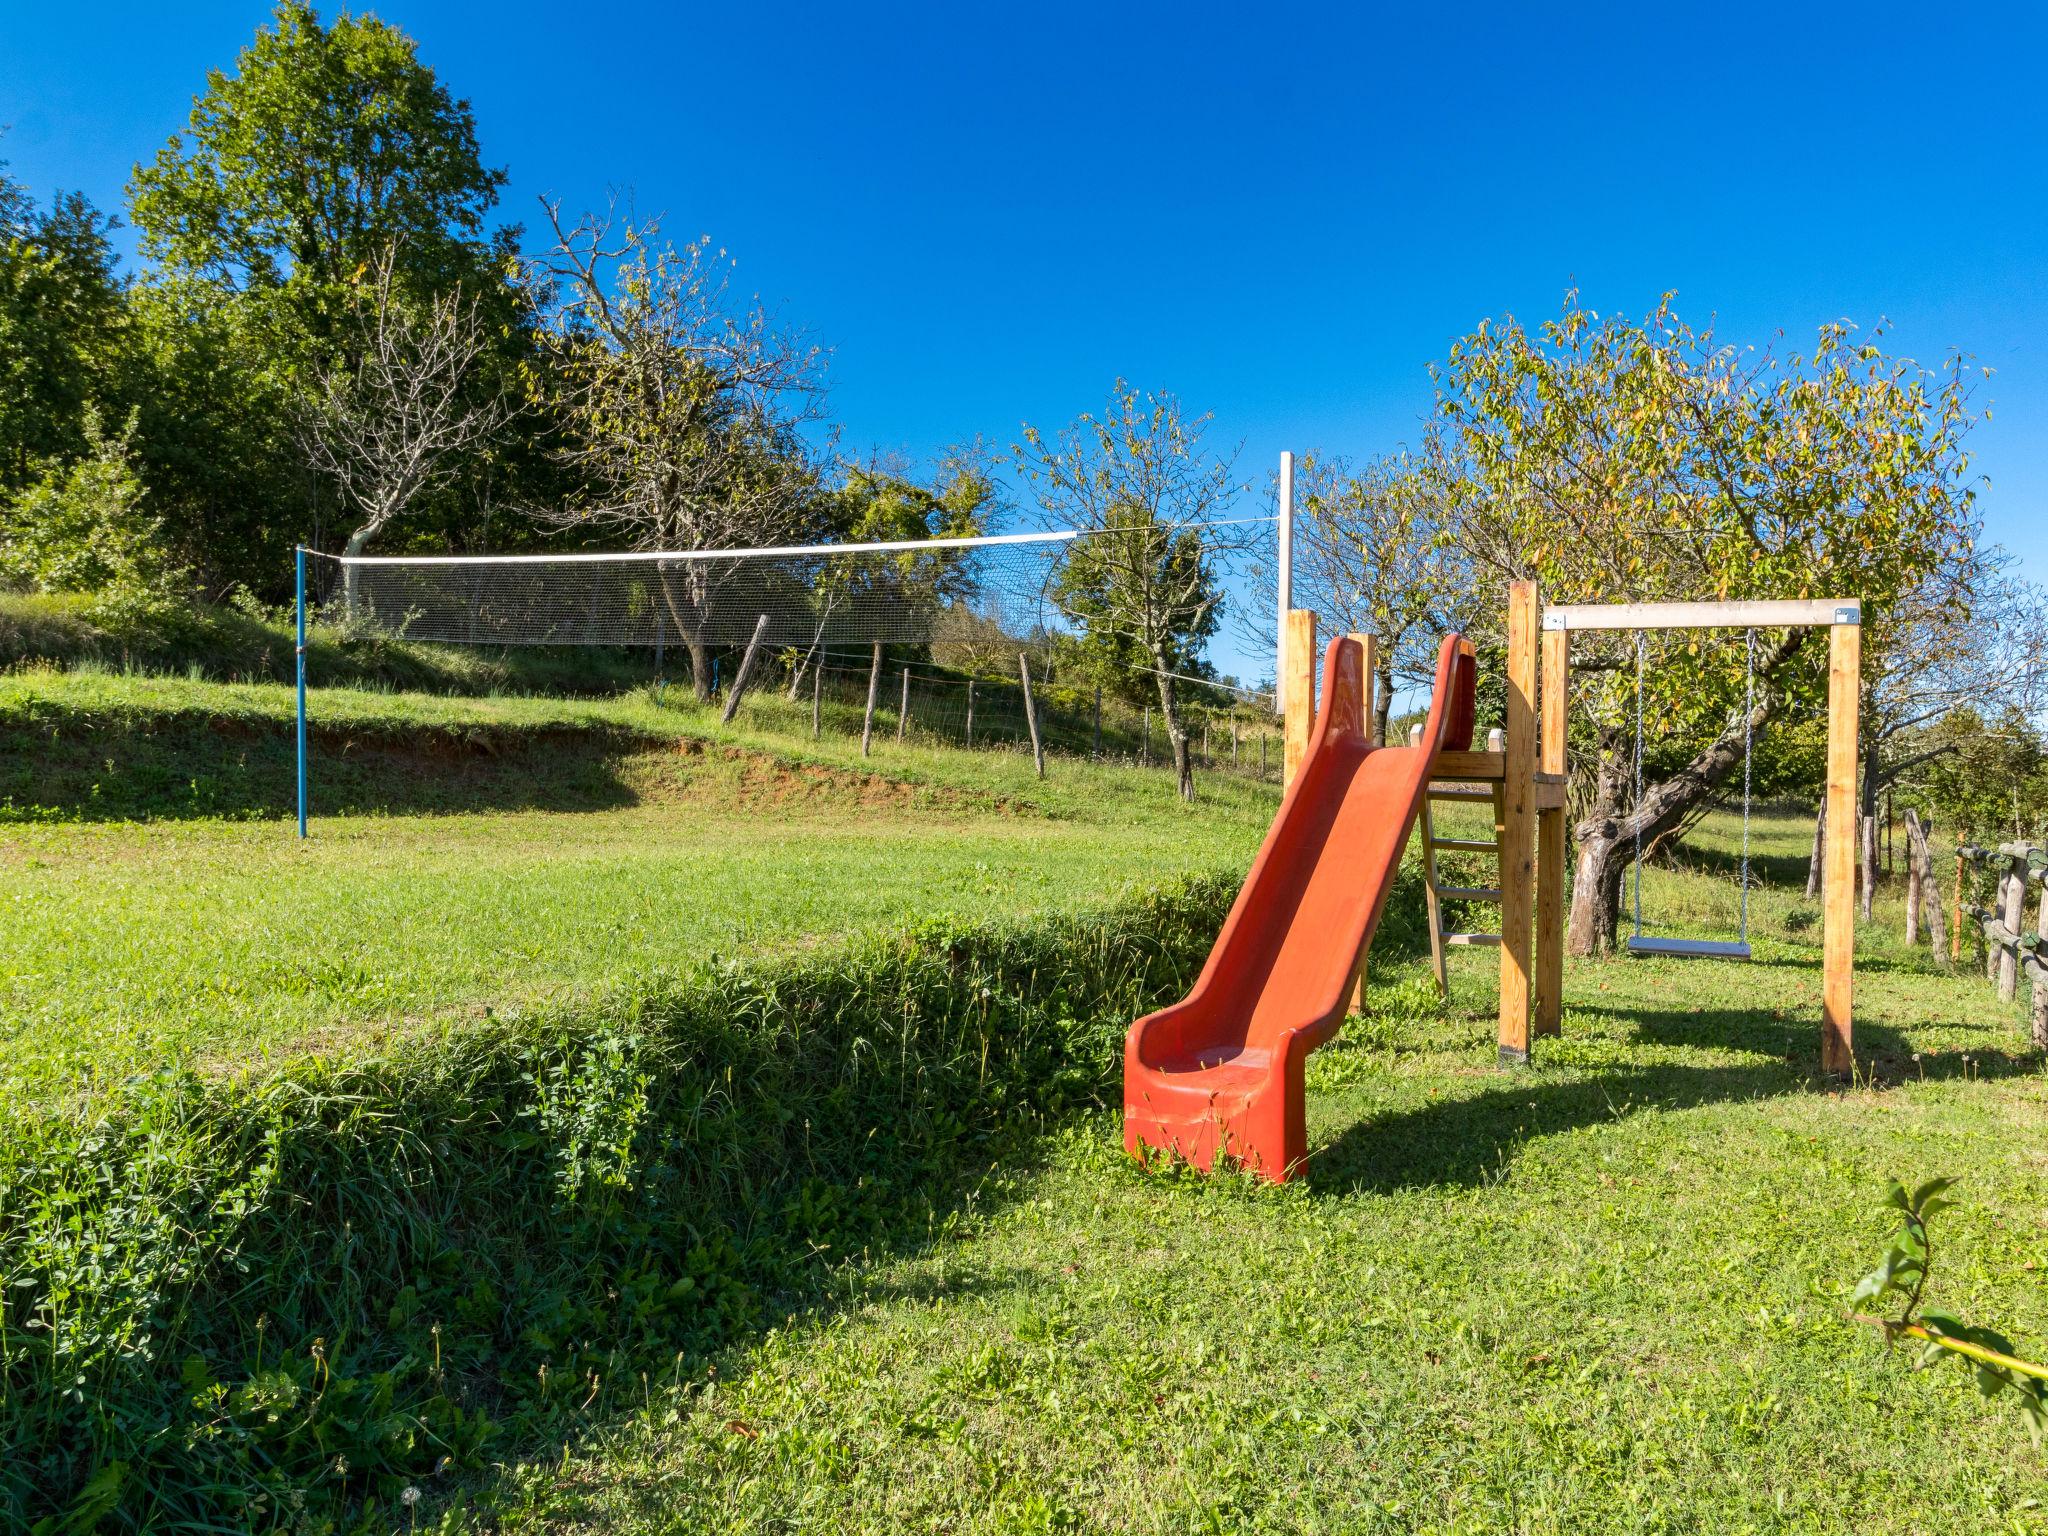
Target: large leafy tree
{"type": "Point", "coordinates": [327, 145]}
{"type": "Point", "coordinates": [328, 152]}
{"type": "Point", "coordinates": [1617, 460]}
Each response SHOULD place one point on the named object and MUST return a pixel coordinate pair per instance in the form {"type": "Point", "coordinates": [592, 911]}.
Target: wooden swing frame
{"type": "Point", "coordinates": [1532, 771]}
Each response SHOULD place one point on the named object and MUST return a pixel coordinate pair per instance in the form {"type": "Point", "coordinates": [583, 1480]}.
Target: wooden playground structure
{"type": "Point", "coordinates": [1526, 780]}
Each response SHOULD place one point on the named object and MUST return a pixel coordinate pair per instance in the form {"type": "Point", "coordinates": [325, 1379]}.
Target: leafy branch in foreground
{"type": "Point", "coordinates": [1903, 1273]}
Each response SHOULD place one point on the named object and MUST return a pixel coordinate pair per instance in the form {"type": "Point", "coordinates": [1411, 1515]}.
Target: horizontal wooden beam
{"type": "Point", "coordinates": [1740, 615]}
{"type": "Point", "coordinates": [1549, 795]}
{"type": "Point", "coordinates": [1469, 765]}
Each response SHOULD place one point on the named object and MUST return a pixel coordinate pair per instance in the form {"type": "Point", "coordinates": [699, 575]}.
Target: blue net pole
{"type": "Point", "coordinates": [299, 557]}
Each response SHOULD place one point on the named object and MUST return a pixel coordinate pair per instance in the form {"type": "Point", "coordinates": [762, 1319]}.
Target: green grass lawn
{"type": "Point", "coordinates": [1601, 1294]}
{"type": "Point", "coordinates": [220, 938]}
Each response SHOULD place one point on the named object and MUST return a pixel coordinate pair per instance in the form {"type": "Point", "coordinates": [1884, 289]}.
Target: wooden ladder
{"type": "Point", "coordinates": [1435, 892]}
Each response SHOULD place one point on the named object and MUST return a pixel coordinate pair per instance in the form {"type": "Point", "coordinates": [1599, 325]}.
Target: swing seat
{"type": "Point", "coordinates": [1722, 949]}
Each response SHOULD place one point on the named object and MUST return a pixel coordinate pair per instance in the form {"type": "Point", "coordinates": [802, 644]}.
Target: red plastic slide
{"type": "Point", "coordinates": [1220, 1071]}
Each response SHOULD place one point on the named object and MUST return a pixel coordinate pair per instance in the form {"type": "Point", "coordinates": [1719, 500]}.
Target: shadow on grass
{"type": "Point", "coordinates": [1469, 1141]}
{"type": "Point", "coordinates": [1780, 871]}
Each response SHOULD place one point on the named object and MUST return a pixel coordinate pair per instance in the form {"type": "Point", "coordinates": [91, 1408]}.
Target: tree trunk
{"type": "Point", "coordinates": [1176, 729]}
{"type": "Point", "coordinates": [1912, 880]}
{"type": "Point", "coordinates": [1813, 862]}
{"type": "Point", "coordinates": [1923, 892]}
{"type": "Point", "coordinates": [700, 669]}
{"type": "Point", "coordinates": [1384, 695]}
{"type": "Point", "coordinates": [1602, 857]}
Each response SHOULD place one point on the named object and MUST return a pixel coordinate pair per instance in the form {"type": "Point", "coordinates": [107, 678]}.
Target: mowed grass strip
{"type": "Point", "coordinates": [1602, 1294]}
{"type": "Point", "coordinates": [126, 946]}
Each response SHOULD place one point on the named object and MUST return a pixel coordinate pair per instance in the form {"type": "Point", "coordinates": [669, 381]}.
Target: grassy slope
{"type": "Point", "coordinates": [211, 937]}
{"type": "Point", "coordinates": [1600, 1295]}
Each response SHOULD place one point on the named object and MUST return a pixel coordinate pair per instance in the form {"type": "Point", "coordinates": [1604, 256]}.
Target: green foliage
{"type": "Point", "coordinates": [1902, 1275]}
{"type": "Point", "coordinates": [85, 528]}
{"type": "Point", "coordinates": [61, 329]}
{"type": "Point", "coordinates": [327, 144]}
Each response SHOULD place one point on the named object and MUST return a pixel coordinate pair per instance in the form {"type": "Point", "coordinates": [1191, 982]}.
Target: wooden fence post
{"type": "Point", "coordinates": [1518, 826]}
{"type": "Point", "coordinates": [867, 723]}
{"type": "Point", "coordinates": [2014, 916]}
{"type": "Point", "coordinates": [2040, 970]}
{"type": "Point", "coordinates": [1095, 750]}
{"type": "Point", "coordinates": [739, 682]}
{"type": "Point", "coordinates": [903, 709]}
{"type": "Point", "coordinates": [817, 681]}
{"type": "Point", "coordinates": [1145, 738]}
{"type": "Point", "coordinates": [970, 713]}
{"type": "Point", "coordinates": [1031, 714]}
{"type": "Point", "coordinates": [1300, 696]}
{"type": "Point", "coordinates": [1955, 936]}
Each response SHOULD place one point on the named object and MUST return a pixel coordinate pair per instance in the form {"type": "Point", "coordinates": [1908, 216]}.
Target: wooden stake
{"type": "Point", "coordinates": [817, 681]}
{"type": "Point", "coordinates": [739, 682]}
{"type": "Point", "coordinates": [2014, 916]}
{"type": "Point", "coordinates": [1955, 932]}
{"type": "Point", "coordinates": [970, 712]}
{"type": "Point", "coordinates": [1096, 749]}
{"type": "Point", "coordinates": [1031, 714]}
{"type": "Point", "coordinates": [1518, 816]}
{"type": "Point", "coordinates": [2040, 974]}
{"type": "Point", "coordinates": [867, 722]}
{"type": "Point", "coordinates": [903, 709]}
{"type": "Point", "coordinates": [1300, 663]}
{"type": "Point", "coordinates": [1838, 879]}
{"type": "Point", "coordinates": [1550, 839]}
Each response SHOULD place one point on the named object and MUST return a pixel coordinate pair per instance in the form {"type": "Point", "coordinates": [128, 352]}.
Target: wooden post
{"type": "Point", "coordinates": [1031, 714]}
{"type": "Point", "coordinates": [2014, 916]}
{"type": "Point", "coordinates": [739, 681]}
{"type": "Point", "coordinates": [1367, 667]}
{"type": "Point", "coordinates": [1096, 749]}
{"type": "Point", "coordinates": [1233, 738]}
{"type": "Point", "coordinates": [1838, 880]}
{"type": "Point", "coordinates": [1550, 838]}
{"type": "Point", "coordinates": [970, 712]}
{"type": "Point", "coordinates": [2040, 975]}
{"type": "Point", "coordinates": [817, 681]}
{"type": "Point", "coordinates": [903, 709]}
{"type": "Point", "coordinates": [1955, 932]}
{"type": "Point", "coordinates": [1916, 845]}
{"type": "Point", "coordinates": [1262, 757]}
{"type": "Point", "coordinates": [867, 723]}
{"type": "Point", "coordinates": [1518, 817]}
{"type": "Point", "coordinates": [1300, 685]}
{"type": "Point", "coordinates": [1145, 738]}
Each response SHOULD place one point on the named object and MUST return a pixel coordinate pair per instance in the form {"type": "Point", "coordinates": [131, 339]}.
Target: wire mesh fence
{"type": "Point", "coordinates": [920, 705]}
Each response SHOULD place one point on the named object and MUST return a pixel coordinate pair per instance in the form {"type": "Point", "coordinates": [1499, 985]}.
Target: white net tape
{"type": "Point", "coordinates": [816, 594]}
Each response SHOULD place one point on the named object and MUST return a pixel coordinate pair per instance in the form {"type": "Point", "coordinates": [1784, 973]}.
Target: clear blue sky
{"type": "Point", "coordinates": [1281, 213]}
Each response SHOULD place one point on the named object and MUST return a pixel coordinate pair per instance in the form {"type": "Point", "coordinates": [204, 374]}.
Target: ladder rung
{"type": "Point", "coordinates": [1464, 844]}
{"type": "Point", "coordinates": [1481, 939]}
{"type": "Point", "coordinates": [1470, 892]}
{"type": "Point", "coordinates": [1442, 792]}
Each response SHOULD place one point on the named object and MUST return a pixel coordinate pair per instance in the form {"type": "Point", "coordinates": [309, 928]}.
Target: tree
{"type": "Point", "coordinates": [1620, 461]}
{"type": "Point", "coordinates": [1143, 581]}
{"type": "Point", "coordinates": [327, 146]}
{"type": "Point", "coordinates": [85, 528]}
{"type": "Point", "coordinates": [1374, 553]}
{"type": "Point", "coordinates": [679, 408]}
{"type": "Point", "coordinates": [62, 329]}
{"type": "Point", "coordinates": [405, 416]}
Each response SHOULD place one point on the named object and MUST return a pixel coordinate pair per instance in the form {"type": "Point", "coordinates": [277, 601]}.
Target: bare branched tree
{"type": "Point", "coordinates": [680, 406]}
{"type": "Point", "coordinates": [1375, 553]}
{"type": "Point", "coordinates": [1144, 581]}
{"type": "Point", "coordinates": [405, 416]}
